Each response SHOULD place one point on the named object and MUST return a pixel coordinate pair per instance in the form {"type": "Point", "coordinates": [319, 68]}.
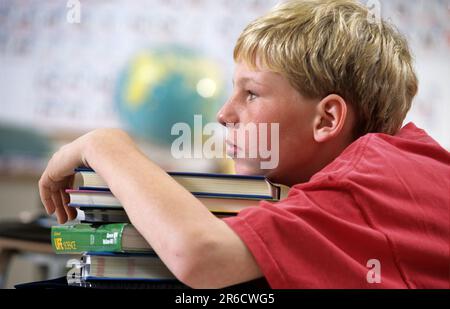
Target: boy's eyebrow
{"type": "Point", "coordinates": [247, 79]}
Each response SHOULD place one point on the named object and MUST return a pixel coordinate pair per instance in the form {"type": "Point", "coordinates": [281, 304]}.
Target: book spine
{"type": "Point", "coordinates": [94, 190]}
{"type": "Point", "coordinates": [82, 237]}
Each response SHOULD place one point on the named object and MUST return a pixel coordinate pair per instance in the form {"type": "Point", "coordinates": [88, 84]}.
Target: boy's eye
{"type": "Point", "coordinates": [251, 95]}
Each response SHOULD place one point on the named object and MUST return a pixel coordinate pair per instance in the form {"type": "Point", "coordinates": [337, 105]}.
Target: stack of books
{"type": "Point", "coordinates": [114, 254]}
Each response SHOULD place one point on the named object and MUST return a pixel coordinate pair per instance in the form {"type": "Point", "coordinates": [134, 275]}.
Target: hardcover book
{"type": "Point", "coordinates": [110, 266]}
{"type": "Point", "coordinates": [201, 184]}
{"type": "Point", "coordinates": [78, 238]}
{"type": "Point", "coordinates": [106, 200]}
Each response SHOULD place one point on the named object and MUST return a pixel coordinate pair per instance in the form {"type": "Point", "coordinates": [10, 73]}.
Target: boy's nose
{"type": "Point", "coordinates": [227, 114]}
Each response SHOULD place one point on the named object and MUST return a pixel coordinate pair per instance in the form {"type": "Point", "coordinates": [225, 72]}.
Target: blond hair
{"type": "Point", "coordinates": [334, 46]}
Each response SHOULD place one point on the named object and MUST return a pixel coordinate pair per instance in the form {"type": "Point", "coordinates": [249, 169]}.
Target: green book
{"type": "Point", "coordinates": [78, 238]}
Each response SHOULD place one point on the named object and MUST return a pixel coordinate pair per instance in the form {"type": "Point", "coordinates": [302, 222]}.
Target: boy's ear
{"type": "Point", "coordinates": [331, 113]}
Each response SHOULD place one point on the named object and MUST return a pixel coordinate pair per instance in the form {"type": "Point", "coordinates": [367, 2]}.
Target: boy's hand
{"type": "Point", "coordinates": [58, 175]}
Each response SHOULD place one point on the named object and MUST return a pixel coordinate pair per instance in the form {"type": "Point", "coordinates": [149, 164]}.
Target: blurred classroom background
{"type": "Point", "coordinates": [144, 65]}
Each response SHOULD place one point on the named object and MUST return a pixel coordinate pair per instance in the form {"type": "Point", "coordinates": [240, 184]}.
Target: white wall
{"type": "Point", "coordinates": [57, 75]}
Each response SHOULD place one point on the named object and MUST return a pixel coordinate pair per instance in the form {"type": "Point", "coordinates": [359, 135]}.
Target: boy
{"type": "Point", "coordinates": [369, 203]}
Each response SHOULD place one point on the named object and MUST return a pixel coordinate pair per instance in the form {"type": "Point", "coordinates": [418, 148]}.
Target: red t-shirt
{"type": "Point", "coordinates": [384, 198]}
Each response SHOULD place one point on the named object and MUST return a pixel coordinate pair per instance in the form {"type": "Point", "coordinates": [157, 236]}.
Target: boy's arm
{"type": "Point", "coordinates": [200, 249]}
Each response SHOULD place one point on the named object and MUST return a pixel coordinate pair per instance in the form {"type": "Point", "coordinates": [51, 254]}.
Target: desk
{"type": "Point", "coordinates": [41, 253]}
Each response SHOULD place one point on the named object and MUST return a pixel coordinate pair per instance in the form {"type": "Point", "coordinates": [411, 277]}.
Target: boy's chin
{"type": "Point", "coordinates": [248, 167]}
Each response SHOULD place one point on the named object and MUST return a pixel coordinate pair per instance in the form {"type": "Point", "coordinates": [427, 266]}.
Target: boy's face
{"type": "Point", "coordinates": [263, 97]}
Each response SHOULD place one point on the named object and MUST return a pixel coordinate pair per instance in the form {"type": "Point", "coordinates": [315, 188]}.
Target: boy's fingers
{"type": "Point", "coordinates": [70, 211]}
{"type": "Point", "coordinates": [46, 195]}
{"type": "Point", "coordinates": [51, 190]}
{"type": "Point", "coordinates": [47, 200]}
{"type": "Point", "coordinates": [64, 197]}
{"type": "Point", "coordinates": [59, 208]}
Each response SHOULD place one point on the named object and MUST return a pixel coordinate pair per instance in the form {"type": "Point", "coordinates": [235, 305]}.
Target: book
{"type": "Point", "coordinates": [91, 214]}
{"type": "Point", "coordinates": [202, 184]}
{"type": "Point", "coordinates": [106, 200]}
{"type": "Point", "coordinates": [124, 267]}
{"type": "Point", "coordinates": [103, 215]}
{"type": "Point", "coordinates": [78, 238]}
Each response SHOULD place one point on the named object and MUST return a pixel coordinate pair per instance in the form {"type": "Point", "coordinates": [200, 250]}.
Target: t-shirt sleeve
{"type": "Point", "coordinates": [315, 238]}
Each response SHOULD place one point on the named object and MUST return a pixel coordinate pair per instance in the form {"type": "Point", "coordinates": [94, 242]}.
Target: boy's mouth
{"type": "Point", "coordinates": [232, 149]}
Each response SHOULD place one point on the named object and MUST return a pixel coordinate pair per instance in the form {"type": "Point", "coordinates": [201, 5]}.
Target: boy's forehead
{"type": "Point", "coordinates": [244, 73]}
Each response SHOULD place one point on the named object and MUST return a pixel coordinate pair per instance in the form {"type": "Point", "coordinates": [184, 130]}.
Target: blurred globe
{"type": "Point", "coordinates": [159, 88]}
